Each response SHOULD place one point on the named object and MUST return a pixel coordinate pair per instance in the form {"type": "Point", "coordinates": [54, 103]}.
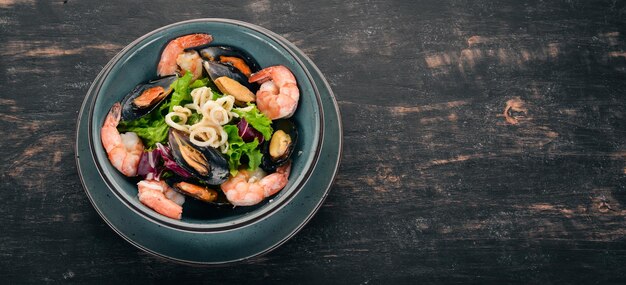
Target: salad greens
{"type": "Point", "coordinates": [238, 148]}
{"type": "Point", "coordinates": [194, 118]}
{"type": "Point", "coordinates": [182, 92]}
{"type": "Point", "coordinates": [199, 83]}
{"type": "Point", "coordinates": [257, 120]}
{"type": "Point", "coordinates": [152, 128]}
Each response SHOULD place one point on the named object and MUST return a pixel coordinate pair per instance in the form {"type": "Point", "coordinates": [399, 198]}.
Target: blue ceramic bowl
{"type": "Point", "coordinates": [137, 63]}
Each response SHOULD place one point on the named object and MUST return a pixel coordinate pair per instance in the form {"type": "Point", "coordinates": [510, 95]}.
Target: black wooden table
{"type": "Point", "coordinates": [484, 141]}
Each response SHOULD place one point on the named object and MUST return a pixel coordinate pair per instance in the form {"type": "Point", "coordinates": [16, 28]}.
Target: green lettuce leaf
{"type": "Point", "coordinates": [152, 128]}
{"type": "Point", "coordinates": [216, 95]}
{"type": "Point", "coordinates": [199, 83]}
{"type": "Point", "coordinates": [238, 148]}
{"type": "Point", "coordinates": [257, 120]}
{"type": "Point", "coordinates": [205, 82]}
{"type": "Point", "coordinates": [194, 118]}
{"type": "Point", "coordinates": [182, 92]}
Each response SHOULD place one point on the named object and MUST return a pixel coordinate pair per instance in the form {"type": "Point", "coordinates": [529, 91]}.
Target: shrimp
{"type": "Point", "coordinates": [167, 64]}
{"type": "Point", "coordinates": [190, 61]}
{"type": "Point", "coordinates": [124, 150]}
{"type": "Point", "coordinates": [278, 95]}
{"type": "Point", "coordinates": [246, 189]}
{"type": "Point", "coordinates": [158, 196]}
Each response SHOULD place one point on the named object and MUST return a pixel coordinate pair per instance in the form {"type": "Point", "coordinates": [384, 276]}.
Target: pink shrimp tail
{"type": "Point", "coordinates": [262, 75]}
{"type": "Point", "coordinates": [285, 169]}
{"type": "Point", "coordinates": [113, 118]}
{"type": "Point", "coordinates": [108, 134]}
{"type": "Point", "coordinates": [274, 185]}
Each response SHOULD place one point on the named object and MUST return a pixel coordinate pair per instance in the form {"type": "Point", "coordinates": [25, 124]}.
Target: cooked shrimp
{"type": "Point", "coordinates": [158, 196]}
{"type": "Point", "coordinates": [278, 95]}
{"type": "Point", "coordinates": [124, 150]}
{"type": "Point", "coordinates": [168, 191]}
{"type": "Point", "coordinates": [249, 188]}
{"type": "Point", "coordinates": [190, 61]}
{"type": "Point", "coordinates": [167, 64]}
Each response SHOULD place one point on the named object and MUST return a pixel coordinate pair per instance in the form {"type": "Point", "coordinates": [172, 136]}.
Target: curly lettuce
{"type": "Point", "coordinates": [238, 149]}
{"type": "Point", "coordinates": [182, 91]}
{"type": "Point", "coordinates": [257, 120]}
{"type": "Point", "coordinates": [152, 128]}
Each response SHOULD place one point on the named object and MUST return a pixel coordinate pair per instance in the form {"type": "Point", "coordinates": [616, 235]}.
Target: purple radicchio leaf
{"type": "Point", "coordinates": [149, 167]}
{"type": "Point", "coordinates": [247, 132]}
{"type": "Point", "coordinates": [170, 163]}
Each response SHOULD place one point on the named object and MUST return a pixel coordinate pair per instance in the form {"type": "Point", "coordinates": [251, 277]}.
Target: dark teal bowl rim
{"type": "Point", "coordinates": [260, 213]}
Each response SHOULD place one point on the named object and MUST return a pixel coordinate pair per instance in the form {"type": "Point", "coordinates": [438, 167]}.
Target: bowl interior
{"type": "Point", "coordinates": [137, 64]}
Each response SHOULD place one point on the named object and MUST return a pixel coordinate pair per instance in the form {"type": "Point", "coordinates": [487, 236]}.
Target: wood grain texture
{"type": "Point", "coordinates": [484, 141]}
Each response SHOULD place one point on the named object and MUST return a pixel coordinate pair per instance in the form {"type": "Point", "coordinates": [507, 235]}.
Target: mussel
{"type": "Point", "coordinates": [277, 150]}
{"type": "Point", "coordinates": [231, 87]}
{"type": "Point", "coordinates": [146, 97]}
{"type": "Point", "coordinates": [202, 193]}
{"type": "Point", "coordinates": [194, 189]}
{"type": "Point", "coordinates": [217, 70]}
{"type": "Point", "coordinates": [232, 56]}
{"type": "Point", "coordinates": [204, 163]}
{"type": "Point", "coordinates": [232, 82]}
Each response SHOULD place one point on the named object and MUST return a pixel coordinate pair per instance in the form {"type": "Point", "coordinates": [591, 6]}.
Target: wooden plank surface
{"type": "Point", "coordinates": [484, 141]}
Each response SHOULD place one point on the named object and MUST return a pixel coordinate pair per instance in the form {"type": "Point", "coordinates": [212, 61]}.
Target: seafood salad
{"type": "Point", "coordinates": [213, 126]}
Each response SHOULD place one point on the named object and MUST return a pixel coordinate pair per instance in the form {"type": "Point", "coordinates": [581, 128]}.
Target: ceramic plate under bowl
{"type": "Point", "coordinates": [227, 245]}
{"type": "Point", "coordinates": [137, 64]}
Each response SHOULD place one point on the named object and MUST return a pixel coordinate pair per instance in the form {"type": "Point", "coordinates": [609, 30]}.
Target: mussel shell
{"type": "Point", "coordinates": [217, 70]}
{"type": "Point", "coordinates": [219, 201]}
{"type": "Point", "coordinates": [209, 164]}
{"type": "Point", "coordinates": [214, 53]}
{"type": "Point", "coordinates": [131, 112]}
{"type": "Point", "coordinates": [270, 164]}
